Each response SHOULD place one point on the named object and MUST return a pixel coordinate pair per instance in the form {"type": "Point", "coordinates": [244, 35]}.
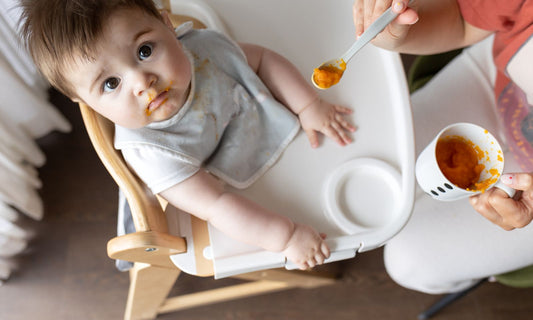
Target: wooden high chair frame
{"type": "Point", "coordinates": [150, 247]}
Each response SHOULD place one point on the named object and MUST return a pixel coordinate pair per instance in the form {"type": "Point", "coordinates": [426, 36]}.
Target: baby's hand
{"type": "Point", "coordinates": [327, 118]}
{"type": "Point", "coordinates": [306, 248]}
{"type": "Point", "coordinates": [508, 213]}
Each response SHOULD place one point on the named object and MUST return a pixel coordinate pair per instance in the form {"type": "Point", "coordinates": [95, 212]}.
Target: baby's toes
{"type": "Point", "coordinates": [319, 258]}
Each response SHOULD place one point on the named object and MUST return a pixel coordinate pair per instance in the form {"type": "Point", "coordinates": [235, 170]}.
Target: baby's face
{"type": "Point", "coordinates": [140, 75]}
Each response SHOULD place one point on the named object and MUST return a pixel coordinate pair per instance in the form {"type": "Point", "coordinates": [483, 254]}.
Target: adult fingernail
{"type": "Point", "coordinates": [507, 178]}
{"type": "Point", "coordinates": [398, 6]}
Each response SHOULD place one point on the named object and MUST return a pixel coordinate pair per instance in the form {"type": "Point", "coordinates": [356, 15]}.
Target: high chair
{"type": "Point", "coordinates": [380, 165]}
{"type": "Point", "coordinates": [153, 274]}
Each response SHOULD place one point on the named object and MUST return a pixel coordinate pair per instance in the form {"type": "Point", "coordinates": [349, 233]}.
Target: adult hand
{"type": "Point", "coordinates": [366, 11]}
{"type": "Point", "coordinates": [508, 213]}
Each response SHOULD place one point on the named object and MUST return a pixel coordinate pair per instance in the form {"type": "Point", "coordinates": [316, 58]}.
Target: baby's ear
{"type": "Point", "coordinates": [77, 100]}
{"type": "Point", "coordinates": [166, 19]}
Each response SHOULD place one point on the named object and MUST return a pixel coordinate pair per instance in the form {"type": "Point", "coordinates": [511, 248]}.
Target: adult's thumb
{"type": "Point", "coordinates": [520, 181]}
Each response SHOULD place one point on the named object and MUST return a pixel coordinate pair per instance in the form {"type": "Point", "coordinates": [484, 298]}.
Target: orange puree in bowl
{"type": "Point", "coordinates": [327, 75]}
{"type": "Point", "coordinates": [458, 160]}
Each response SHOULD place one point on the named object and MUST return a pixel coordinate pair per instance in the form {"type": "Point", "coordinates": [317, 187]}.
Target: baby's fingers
{"type": "Point", "coordinates": [345, 124]}
{"type": "Point", "coordinates": [312, 137]}
{"type": "Point", "coordinates": [334, 133]}
{"type": "Point", "coordinates": [340, 117]}
{"type": "Point", "coordinates": [341, 109]}
{"type": "Point", "coordinates": [338, 133]}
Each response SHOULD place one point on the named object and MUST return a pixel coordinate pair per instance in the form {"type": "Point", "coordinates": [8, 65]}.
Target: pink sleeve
{"type": "Point", "coordinates": [494, 15]}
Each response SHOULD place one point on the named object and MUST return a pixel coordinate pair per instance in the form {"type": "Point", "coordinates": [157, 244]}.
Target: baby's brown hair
{"type": "Point", "coordinates": [58, 32]}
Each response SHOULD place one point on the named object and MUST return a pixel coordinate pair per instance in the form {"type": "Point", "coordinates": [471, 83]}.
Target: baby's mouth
{"type": "Point", "coordinates": [156, 102]}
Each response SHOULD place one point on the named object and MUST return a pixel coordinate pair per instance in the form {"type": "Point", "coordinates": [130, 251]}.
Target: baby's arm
{"type": "Point", "coordinates": [423, 27]}
{"type": "Point", "coordinates": [204, 196]}
{"type": "Point", "coordinates": [290, 88]}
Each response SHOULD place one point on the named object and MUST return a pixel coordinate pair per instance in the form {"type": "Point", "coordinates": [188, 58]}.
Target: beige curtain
{"type": "Point", "coordinates": [26, 116]}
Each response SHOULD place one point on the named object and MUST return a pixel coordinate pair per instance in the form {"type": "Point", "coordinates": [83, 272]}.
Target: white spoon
{"type": "Point", "coordinates": [330, 72]}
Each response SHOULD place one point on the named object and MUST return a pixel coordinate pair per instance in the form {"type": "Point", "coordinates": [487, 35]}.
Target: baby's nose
{"type": "Point", "coordinates": [143, 83]}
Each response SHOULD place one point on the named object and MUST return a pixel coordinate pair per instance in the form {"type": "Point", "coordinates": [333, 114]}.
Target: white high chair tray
{"type": "Point", "coordinates": [369, 183]}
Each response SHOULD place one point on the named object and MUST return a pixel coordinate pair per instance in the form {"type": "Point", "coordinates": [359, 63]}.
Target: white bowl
{"type": "Point", "coordinates": [362, 194]}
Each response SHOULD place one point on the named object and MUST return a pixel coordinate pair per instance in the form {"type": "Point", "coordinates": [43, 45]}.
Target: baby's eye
{"type": "Point", "coordinates": [145, 51]}
{"type": "Point", "coordinates": [111, 84]}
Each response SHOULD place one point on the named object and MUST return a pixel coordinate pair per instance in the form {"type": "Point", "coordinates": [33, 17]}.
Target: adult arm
{"type": "Point", "coordinates": [422, 27]}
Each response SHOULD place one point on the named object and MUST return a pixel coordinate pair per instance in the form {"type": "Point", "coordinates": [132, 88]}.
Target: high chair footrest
{"type": "Point", "coordinates": [148, 247]}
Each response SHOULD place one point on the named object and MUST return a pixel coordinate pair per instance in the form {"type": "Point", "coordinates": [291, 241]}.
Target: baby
{"type": "Point", "coordinates": [188, 105]}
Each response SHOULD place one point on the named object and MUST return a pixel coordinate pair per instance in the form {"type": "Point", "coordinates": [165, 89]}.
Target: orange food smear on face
{"type": "Point", "coordinates": [151, 96]}
{"type": "Point", "coordinates": [328, 75]}
{"type": "Point", "coordinates": [458, 160]}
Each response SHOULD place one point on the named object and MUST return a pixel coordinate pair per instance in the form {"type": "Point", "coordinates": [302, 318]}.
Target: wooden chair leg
{"type": "Point", "coordinates": [291, 279]}
{"type": "Point", "coordinates": [149, 287]}
{"type": "Point", "coordinates": [228, 293]}
{"type": "Point", "coordinates": [261, 282]}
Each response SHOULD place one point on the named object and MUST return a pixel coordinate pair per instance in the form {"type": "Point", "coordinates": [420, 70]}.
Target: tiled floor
{"type": "Point", "coordinates": [65, 274]}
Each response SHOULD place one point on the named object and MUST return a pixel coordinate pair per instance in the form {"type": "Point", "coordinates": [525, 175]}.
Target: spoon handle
{"type": "Point", "coordinates": [373, 30]}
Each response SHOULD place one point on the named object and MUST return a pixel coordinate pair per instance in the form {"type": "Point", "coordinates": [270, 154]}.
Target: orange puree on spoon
{"type": "Point", "coordinates": [328, 75]}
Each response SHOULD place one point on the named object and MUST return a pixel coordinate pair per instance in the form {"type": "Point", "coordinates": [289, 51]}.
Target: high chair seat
{"type": "Point", "coordinates": [305, 184]}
